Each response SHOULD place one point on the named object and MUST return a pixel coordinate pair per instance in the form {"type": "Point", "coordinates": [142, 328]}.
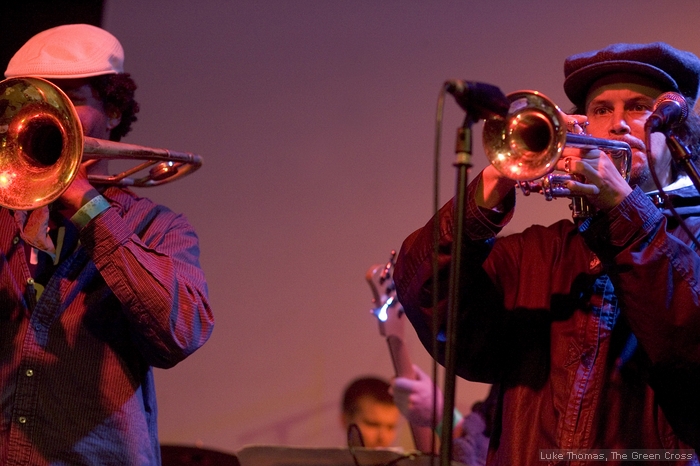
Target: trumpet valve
{"type": "Point", "coordinates": [550, 186]}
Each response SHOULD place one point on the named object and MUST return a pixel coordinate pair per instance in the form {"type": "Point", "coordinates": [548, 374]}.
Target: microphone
{"type": "Point", "coordinates": [479, 100]}
{"type": "Point", "coordinates": [670, 110]}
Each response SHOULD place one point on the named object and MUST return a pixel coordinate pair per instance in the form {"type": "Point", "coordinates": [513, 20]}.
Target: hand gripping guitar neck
{"type": "Point", "coordinates": [391, 317]}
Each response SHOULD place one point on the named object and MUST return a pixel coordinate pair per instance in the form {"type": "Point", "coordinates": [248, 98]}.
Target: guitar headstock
{"type": "Point", "coordinates": [387, 308]}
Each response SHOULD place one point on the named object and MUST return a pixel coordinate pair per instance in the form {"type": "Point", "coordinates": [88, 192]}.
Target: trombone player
{"type": "Point", "coordinates": [592, 328]}
{"type": "Point", "coordinates": [96, 288]}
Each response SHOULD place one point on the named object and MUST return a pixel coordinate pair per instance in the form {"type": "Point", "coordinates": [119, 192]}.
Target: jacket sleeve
{"type": "Point", "coordinates": [657, 278]}
{"type": "Point", "coordinates": [414, 283]}
{"type": "Point", "coordinates": [158, 281]}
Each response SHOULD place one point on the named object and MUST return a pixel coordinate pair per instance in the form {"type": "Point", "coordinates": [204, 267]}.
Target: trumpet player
{"type": "Point", "coordinates": [96, 288]}
{"type": "Point", "coordinates": [591, 328]}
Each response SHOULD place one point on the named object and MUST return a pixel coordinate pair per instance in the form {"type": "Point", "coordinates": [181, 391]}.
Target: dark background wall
{"type": "Point", "coordinates": [20, 20]}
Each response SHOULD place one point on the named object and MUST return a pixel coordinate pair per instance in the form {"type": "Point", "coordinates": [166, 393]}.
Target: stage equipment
{"type": "Point", "coordinates": [273, 455]}
{"type": "Point", "coordinates": [526, 144]}
{"type": "Point", "coordinates": [185, 455]}
{"type": "Point", "coordinates": [42, 146]}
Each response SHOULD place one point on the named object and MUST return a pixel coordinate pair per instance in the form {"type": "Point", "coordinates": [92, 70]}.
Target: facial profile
{"type": "Point", "coordinates": [376, 420]}
{"type": "Point", "coordinates": [617, 108]}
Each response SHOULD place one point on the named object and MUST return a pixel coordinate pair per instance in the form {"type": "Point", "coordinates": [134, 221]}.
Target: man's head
{"type": "Point", "coordinates": [87, 63]}
{"type": "Point", "coordinates": [616, 88]}
{"type": "Point", "coordinates": [368, 404]}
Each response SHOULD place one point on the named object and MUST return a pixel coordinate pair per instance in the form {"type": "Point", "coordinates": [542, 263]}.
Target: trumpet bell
{"type": "Point", "coordinates": [41, 142]}
{"type": "Point", "coordinates": [526, 143]}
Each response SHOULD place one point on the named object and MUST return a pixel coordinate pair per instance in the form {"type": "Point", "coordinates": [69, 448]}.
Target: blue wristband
{"type": "Point", "coordinates": [90, 210]}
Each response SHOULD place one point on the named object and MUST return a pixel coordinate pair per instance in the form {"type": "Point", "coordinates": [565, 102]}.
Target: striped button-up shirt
{"type": "Point", "coordinates": [76, 364]}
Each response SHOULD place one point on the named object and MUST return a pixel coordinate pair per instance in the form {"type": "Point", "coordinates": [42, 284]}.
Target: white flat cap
{"type": "Point", "coordinates": [68, 51]}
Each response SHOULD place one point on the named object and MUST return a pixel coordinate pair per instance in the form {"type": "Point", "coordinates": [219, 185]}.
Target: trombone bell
{"type": "Point", "coordinates": [42, 146]}
{"type": "Point", "coordinates": [40, 143]}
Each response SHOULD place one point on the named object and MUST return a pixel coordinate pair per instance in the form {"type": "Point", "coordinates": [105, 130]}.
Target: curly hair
{"type": "Point", "coordinates": [117, 94]}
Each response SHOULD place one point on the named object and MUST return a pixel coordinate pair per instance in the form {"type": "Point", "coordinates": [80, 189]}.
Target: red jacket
{"type": "Point", "coordinates": [593, 331]}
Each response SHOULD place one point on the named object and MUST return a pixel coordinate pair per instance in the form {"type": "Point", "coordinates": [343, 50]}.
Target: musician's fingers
{"type": "Point", "coordinates": [576, 124]}
{"type": "Point", "coordinates": [403, 384]}
{"type": "Point", "coordinates": [566, 164]}
{"type": "Point", "coordinates": [578, 188]}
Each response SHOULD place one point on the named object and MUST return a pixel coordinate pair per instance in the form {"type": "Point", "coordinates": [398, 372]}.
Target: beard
{"type": "Point", "coordinates": [640, 176]}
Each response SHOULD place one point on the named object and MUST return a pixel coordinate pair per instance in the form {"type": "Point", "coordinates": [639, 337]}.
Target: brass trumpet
{"type": "Point", "coordinates": [526, 144]}
{"type": "Point", "coordinates": [42, 145]}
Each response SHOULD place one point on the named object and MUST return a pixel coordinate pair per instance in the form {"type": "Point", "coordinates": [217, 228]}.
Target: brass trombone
{"type": "Point", "coordinates": [42, 145]}
{"type": "Point", "coordinates": [526, 144]}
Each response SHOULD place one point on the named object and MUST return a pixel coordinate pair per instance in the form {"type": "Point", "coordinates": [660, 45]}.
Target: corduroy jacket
{"type": "Point", "coordinates": [592, 330]}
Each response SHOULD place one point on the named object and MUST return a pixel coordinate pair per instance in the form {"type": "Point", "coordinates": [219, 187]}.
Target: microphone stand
{"type": "Point", "coordinates": [681, 154]}
{"type": "Point", "coordinates": [463, 164]}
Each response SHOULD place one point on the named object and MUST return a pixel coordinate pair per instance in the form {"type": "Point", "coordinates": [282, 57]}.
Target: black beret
{"type": "Point", "coordinates": [674, 70]}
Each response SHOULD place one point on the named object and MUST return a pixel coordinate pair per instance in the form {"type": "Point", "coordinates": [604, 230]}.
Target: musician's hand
{"type": "Point", "coordinates": [493, 189]}
{"type": "Point", "coordinates": [597, 177]}
{"type": "Point", "coordinates": [495, 186]}
{"type": "Point", "coordinates": [414, 398]}
{"type": "Point", "coordinates": [599, 180]}
{"type": "Point", "coordinates": [575, 124]}
{"type": "Point", "coordinates": [78, 193]}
